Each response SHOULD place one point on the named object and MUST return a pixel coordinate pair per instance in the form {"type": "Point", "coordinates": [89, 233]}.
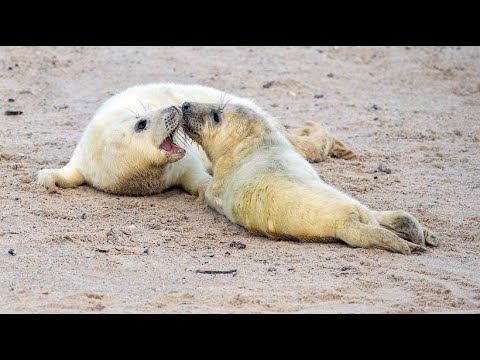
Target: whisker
{"type": "Point", "coordinates": [225, 105]}
{"type": "Point", "coordinates": [142, 105]}
{"type": "Point", "coordinates": [136, 115]}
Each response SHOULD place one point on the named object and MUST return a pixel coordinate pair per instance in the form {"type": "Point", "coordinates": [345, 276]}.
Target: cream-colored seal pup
{"type": "Point", "coordinates": [130, 146]}
{"type": "Point", "coordinates": [262, 183]}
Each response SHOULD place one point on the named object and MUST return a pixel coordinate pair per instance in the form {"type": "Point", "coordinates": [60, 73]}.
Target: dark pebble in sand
{"type": "Point", "coordinates": [458, 132]}
{"type": "Point", "coordinates": [375, 107]}
{"type": "Point", "coordinates": [84, 216]}
{"type": "Point", "coordinates": [12, 252]}
{"type": "Point", "coordinates": [345, 268]}
{"type": "Point", "coordinates": [146, 251]}
{"type": "Point", "coordinates": [11, 100]}
{"type": "Point", "coordinates": [330, 75]}
{"type": "Point", "coordinates": [318, 96]}
{"type": "Point", "coordinates": [13, 112]}
{"type": "Point", "coordinates": [238, 245]}
{"type": "Point", "coordinates": [272, 269]}
{"type": "Point", "coordinates": [268, 84]}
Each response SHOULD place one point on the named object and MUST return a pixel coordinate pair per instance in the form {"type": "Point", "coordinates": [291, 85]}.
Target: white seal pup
{"type": "Point", "coordinates": [130, 146]}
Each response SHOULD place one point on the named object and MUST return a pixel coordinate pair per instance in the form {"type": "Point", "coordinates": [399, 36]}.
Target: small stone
{"type": "Point", "coordinates": [384, 168]}
{"type": "Point", "coordinates": [272, 269]}
{"type": "Point", "coordinates": [209, 255]}
{"type": "Point", "coordinates": [345, 268]}
{"type": "Point", "coordinates": [268, 84]}
{"type": "Point", "coordinates": [318, 96]}
{"type": "Point", "coordinates": [11, 100]}
{"type": "Point", "coordinates": [84, 216]}
{"type": "Point", "coordinates": [375, 177]}
{"type": "Point", "coordinates": [17, 198]}
{"type": "Point", "coordinates": [11, 112]}
{"type": "Point", "coordinates": [26, 91]}
{"type": "Point", "coordinates": [320, 51]}
{"type": "Point", "coordinates": [227, 253]}
{"type": "Point", "coordinates": [12, 252]}
{"type": "Point", "coordinates": [375, 119]}
{"type": "Point", "coordinates": [458, 132]}
{"type": "Point", "coordinates": [330, 75]}
{"type": "Point", "coordinates": [10, 68]}
{"type": "Point", "coordinates": [14, 166]}
{"type": "Point", "coordinates": [146, 251]}
{"type": "Point", "coordinates": [237, 244]}
{"type": "Point", "coordinates": [375, 107]}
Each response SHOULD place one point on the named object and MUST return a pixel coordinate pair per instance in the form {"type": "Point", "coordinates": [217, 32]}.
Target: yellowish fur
{"type": "Point", "coordinates": [263, 184]}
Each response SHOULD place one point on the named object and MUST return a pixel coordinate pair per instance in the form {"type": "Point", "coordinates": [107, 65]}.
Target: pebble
{"type": "Point", "coordinates": [84, 216]}
{"type": "Point", "coordinates": [458, 132]}
{"type": "Point", "coordinates": [268, 84]}
{"type": "Point", "coordinates": [375, 107]}
{"type": "Point", "coordinates": [12, 252]}
{"type": "Point", "coordinates": [384, 168]}
{"type": "Point", "coordinates": [318, 96]}
{"type": "Point", "coordinates": [345, 268]}
{"type": "Point", "coordinates": [330, 75]}
{"type": "Point", "coordinates": [237, 244]}
{"type": "Point", "coordinates": [146, 251]}
{"type": "Point", "coordinates": [11, 100]}
{"type": "Point", "coordinates": [272, 269]}
{"type": "Point", "coordinates": [11, 112]}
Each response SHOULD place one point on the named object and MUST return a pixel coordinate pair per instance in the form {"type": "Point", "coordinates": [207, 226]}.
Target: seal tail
{"type": "Point", "coordinates": [65, 177]}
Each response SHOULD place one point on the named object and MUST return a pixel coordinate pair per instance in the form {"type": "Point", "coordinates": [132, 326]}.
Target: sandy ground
{"type": "Point", "coordinates": [415, 109]}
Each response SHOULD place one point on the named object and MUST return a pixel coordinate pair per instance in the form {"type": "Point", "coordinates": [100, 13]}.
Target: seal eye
{"type": "Point", "coordinates": [141, 125]}
{"type": "Point", "coordinates": [216, 117]}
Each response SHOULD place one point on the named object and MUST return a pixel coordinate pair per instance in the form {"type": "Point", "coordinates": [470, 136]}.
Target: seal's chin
{"type": "Point", "coordinates": [170, 147]}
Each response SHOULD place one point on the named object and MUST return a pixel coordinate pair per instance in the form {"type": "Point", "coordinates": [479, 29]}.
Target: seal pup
{"type": "Point", "coordinates": [130, 146]}
{"type": "Point", "coordinates": [262, 183]}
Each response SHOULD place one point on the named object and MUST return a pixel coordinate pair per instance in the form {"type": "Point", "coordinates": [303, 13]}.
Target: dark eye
{"type": "Point", "coordinates": [216, 117]}
{"type": "Point", "coordinates": [141, 125]}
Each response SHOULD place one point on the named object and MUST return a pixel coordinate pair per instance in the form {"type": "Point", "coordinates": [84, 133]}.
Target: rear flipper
{"type": "Point", "coordinates": [315, 143]}
{"type": "Point", "coordinates": [407, 227]}
{"type": "Point", "coordinates": [65, 177]}
{"type": "Point", "coordinates": [357, 234]}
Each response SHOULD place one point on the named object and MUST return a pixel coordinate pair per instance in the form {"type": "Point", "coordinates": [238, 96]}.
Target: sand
{"type": "Point", "coordinates": [416, 110]}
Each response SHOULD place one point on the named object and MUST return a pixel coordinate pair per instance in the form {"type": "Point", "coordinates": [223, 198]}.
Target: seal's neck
{"type": "Point", "coordinates": [230, 157]}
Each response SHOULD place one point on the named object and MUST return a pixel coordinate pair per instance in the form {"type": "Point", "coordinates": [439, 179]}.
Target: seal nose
{"type": "Point", "coordinates": [186, 106]}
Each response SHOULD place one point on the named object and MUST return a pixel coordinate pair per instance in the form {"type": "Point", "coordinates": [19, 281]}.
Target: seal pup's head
{"type": "Point", "coordinates": [145, 138]}
{"type": "Point", "coordinates": [126, 151]}
{"type": "Point", "coordinates": [219, 129]}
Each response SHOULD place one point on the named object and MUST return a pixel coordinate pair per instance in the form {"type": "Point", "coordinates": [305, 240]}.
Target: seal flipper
{"type": "Point", "coordinates": [65, 177]}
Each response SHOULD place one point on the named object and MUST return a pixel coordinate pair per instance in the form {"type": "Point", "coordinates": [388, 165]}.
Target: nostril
{"type": "Point", "coordinates": [174, 108]}
{"type": "Point", "coordinates": [186, 106]}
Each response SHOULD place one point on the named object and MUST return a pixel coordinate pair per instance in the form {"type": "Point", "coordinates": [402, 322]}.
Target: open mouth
{"type": "Point", "coordinates": [169, 146]}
